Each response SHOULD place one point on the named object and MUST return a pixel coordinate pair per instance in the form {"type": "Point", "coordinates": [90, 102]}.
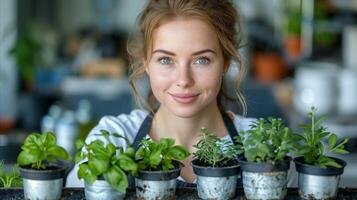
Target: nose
{"type": "Point", "coordinates": [184, 76]}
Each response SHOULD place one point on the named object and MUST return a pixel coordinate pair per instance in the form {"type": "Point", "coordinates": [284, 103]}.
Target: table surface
{"type": "Point", "coordinates": [181, 193]}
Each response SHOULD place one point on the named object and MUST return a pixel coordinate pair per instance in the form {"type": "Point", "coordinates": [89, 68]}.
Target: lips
{"type": "Point", "coordinates": [184, 98]}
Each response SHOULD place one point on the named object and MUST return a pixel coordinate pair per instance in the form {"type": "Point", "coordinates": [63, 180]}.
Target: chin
{"type": "Point", "coordinates": [185, 112]}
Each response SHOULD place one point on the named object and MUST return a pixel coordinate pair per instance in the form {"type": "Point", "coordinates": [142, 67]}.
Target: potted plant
{"type": "Point", "coordinates": [215, 166]}
{"type": "Point", "coordinates": [40, 166]}
{"type": "Point", "coordinates": [319, 174]}
{"type": "Point", "coordinates": [159, 166]}
{"type": "Point", "coordinates": [265, 162]}
{"type": "Point", "coordinates": [10, 179]}
{"type": "Point", "coordinates": [103, 167]}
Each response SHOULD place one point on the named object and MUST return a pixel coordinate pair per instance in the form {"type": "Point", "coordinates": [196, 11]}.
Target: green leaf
{"type": "Point", "coordinates": [79, 144]}
{"type": "Point", "coordinates": [105, 133]}
{"type": "Point", "coordinates": [178, 152]}
{"type": "Point", "coordinates": [85, 173]}
{"type": "Point", "coordinates": [48, 139]}
{"type": "Point", "coordinates": [167, 164]}
{"type": "Point", "coordinates": [166, 142]}
{"type": "Point", "coordinates": [116, 178]}
{"type": "Point", "coordinates": [341, 151]}
{"type": "Point", "coordinates": [98, 165]}
{"type": "Point", "coordinates": [128, 164]}
{"type": "Point", "coordinates": [25, 158]}
{"type": "Point", "coordinates": [111, 149]}
{"type": "Point", "coordinates": [130, 151]}
{"type": "Point", "coordinates": [79, 157]}
{"type": "Point", "coordinates": [140, 153]}
{"type": "Point", "coordinates": [31, 139]}
{"type": "Point", "coordinates": [59, 152]}
{"type": "Point", "coordinates": [332, 141]}
{"type": "Point", "coordinates": [155, 158]}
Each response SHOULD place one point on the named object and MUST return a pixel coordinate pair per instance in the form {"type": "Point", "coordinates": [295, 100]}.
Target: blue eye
{"type": "Point", "coordinates": [165, 61]}
{"type": "Point", "coordinates": [202, 61]}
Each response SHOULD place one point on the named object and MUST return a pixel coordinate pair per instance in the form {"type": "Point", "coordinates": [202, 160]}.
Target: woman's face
{"type": "Point", "coordinates": [186, 66]}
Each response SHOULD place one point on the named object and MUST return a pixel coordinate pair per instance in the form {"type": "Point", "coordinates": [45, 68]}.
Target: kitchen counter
{"type": "Point", "coordinates": [182, 193]}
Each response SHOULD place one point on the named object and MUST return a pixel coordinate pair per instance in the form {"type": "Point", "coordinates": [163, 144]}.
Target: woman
{"type": "Point", "coordinates": [184, 47]}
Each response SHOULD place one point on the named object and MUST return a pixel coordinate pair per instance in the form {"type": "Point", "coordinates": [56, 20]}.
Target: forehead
{"type": "Point", "coordinates": [185, 34]}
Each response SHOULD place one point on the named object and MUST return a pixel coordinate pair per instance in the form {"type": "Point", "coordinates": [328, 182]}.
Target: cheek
{"type": "Point", "coordinates": [159, 81]}
{"type": "Point", "coordinates": [209, 81]}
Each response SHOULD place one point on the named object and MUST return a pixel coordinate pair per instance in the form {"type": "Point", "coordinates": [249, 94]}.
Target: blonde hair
{"type": "Point", "coordinates": [219, 14]}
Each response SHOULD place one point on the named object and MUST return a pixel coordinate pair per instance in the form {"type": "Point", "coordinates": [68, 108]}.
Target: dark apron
{"type": "Point", "coordinates": [145, 129]}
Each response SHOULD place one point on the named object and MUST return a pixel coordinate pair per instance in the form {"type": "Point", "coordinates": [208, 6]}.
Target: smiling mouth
{"type": "Point", "coordinates": [184, 98]}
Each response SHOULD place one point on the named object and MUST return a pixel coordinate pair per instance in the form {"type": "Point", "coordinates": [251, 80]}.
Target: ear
{"type": "Point", "coordinates": [146, 66]}
{"type": "Point", "coordinates": [226, 66]}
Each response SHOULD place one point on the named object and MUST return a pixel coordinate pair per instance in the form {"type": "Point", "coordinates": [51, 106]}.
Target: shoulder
{"type": "Point", "coordinates": [241, 123]}
{"type": "Point", "coordinates": [124, 124]}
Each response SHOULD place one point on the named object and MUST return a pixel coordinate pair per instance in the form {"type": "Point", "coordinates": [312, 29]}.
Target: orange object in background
{"type": "Point", "coordinates": [292, 46]}
{"type": "Point", "coordinates": [6, 124]}
{"type": "Point", "coordinates": [269, 67]}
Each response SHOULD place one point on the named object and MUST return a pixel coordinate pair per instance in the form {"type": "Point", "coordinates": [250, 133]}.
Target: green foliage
{"type": "Point", "coordinates": [213, 151]}
{"type": "Point", "coordinates": [267, 141]}
{"type": "Point", "coordinates": [26, 53]}
{"type": "Point", "coordinates": [10, 179]}
{"type": "Point", "coordinates": [98, 158]}
{"type": "Point", "coordinates": [40, 148]}
{"type": "Point", "coordinates": [312, 148]}
{"type": "Point", "coordinates": [153, 155]}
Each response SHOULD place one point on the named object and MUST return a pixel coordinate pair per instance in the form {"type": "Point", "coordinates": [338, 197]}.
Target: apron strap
{"type": "Point", "coordinates": [143, 131]}
{"type": "Point", "coordinates": [230, 126]}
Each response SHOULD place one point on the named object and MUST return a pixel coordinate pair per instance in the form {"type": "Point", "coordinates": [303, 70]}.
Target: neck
{"type": "Point", "coordinates": [187, 130]}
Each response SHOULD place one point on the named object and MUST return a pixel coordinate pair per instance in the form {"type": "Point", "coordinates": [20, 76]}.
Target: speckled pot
{"type": "Point", "coordinates": [157, 185]}
{"type": "Point", "coordinates": [216, 182]}
{"type": "Point", "coordinates": [264, 180]}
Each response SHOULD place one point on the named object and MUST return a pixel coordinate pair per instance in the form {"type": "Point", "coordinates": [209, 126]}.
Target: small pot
{"type": "Point", "coordinates": [216, 182]}
{"type": "Point", "coordinates": [157, 185]}
{"type": "Point", "coordinates": [318, 183]}
{"type": "Point", "coordinates": [43, 184]}
{"type": "Point", "coordinates": [265, 180]}
{"type": "Point", "coordinates": [101, 190]}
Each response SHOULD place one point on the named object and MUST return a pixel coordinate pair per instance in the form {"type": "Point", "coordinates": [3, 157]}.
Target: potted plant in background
{"type": "Point", "coordinates": [159, 166]}
{"type": "Point", "coordinates": [265, 163]}
{"type": "Point", "coordinates": [10, 179]}
{"type": "Point", "coordinates": [215, 166]}
{"type": "Point", "coordinates": [103, 167]}
{"type": "Point", "coordinates": [40, 166]}
{"type": "Point", "coordinates": [319, 174]}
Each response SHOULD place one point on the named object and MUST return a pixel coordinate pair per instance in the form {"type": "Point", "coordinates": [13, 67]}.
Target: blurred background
{"type": "Point", "coordinates": [63, 65]}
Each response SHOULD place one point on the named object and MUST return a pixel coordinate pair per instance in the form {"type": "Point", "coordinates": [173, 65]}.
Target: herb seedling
{"type": "Point", "coordinates": [213, 151]}
{"type": "Point", "coordinates": [267, 141]}
{"type": "Point", "coordinates": [312, 148]}
{"type": "Point", "coordinates": [98, 158]}
{"type": "Point", "coordinates": [10, 179]}
{"type": "Point", "coordinates": [40, 149]}
{"type": "Point", "coordinates": [153, 155]}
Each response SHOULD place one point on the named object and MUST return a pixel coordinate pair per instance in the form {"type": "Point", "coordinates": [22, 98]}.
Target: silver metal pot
{"type": "Point", "coordinates": [101, 190]}
{"type": "Point", "coordinates": [318, 187]}
{"type": "Point", "coordinates": [216, 182]}
{"type": "Point", "coordinates": [157, 185]}
{"type": "Point", "coordinates": [153, 190]}
{"type": "Point", "coordinates": [265, 185]}
{"type": "Point", "coordinates": [42, 189]}
{"type": "Point", "coordinates": [265, 180]}
{"type": "Point", "coordinates": [318, 183]}
{"type": "Point", "coordinates": [216, 187]}
{"type": "Point", "coordinates": [43, 184]}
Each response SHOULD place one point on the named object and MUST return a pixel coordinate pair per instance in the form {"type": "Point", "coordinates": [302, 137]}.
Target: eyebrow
{"type": "Point", "coordinates": [173, 54]}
